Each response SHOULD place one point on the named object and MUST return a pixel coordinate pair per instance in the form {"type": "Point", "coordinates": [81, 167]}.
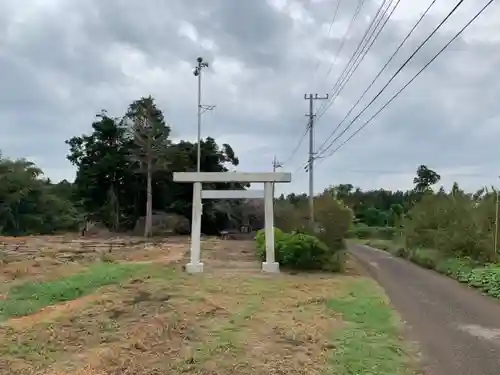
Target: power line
{"type": "Point", "coordinates": [357, 52]}
{"type": "Point", "coordinates": [394, 76]}
{"type": "Point", "coordinates": [414, 77]}
{"type": "Point", "coordinates": [355, 55]}
{"type": "Point", "coordinates": [363, 54]}
{"type": "Point", "coordinates": [344, 38]}
{"type": "Point", "coordinates": [380, 72]}
{"type": "Point", "coordinates": [329, 33]}
{"type": "Point", "coordinates": [297, 147]}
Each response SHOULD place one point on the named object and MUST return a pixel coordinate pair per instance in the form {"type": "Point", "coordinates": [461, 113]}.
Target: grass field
{"type": "Point", "coordinates": [149, 317]}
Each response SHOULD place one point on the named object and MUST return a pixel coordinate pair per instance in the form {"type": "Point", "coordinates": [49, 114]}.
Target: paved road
{"type": "Point", "coordinates": [457, 329]}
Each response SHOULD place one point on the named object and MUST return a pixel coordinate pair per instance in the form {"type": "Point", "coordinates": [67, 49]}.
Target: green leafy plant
{"type": "Point", "coordinates": [297, 251]}
{"type": "Point", "coordinates": [364, 232]}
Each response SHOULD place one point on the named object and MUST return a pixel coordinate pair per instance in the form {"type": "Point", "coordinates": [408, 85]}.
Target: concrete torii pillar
{"type": "Point", "coordinates": [196, 178]}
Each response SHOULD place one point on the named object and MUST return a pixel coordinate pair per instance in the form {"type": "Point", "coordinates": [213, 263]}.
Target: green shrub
{"type": "Point", "coordinates": [425, 258]}
{"type": "Point", "coordinates": [260, 241]}
{"type": "Point", "coordinates": [381, 244]}
{"type": "Point", "coordinates": [387, 233]}
{"type": "Point", "coordinates": [363, 232]}
{"type": "Point", "coordinates": [299, 251]}
{"type": "Point", "coordinates": [289, 217]}
{"type": "Point", "coordinates": [456, 225]}
{"type": "Point", "coordinates": [458, 269]}
{"type": "Point", "coordinates": [302, 251]}
{"type": "Point", "coordinates": [402, 252]}
{"type": "Point", "coordinates": [333, 220]}
{"type": "Point", "coordinates": [486, 278]}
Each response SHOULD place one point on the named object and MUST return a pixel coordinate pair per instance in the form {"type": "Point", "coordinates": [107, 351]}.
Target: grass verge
{"type": "Point", "coordinates": [369, 343]}
{"type": "Point", "coordinates": [29, 297]}
{"type": "Point", "coordinates": [164, 321]}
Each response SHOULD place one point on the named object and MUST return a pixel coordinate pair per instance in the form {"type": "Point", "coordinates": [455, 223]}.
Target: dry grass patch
{"type": "Point", "coordinates": [175, 323]}
{"type": "Point", "coordinates": [159, 320]}
{"type": "Point", "coordinates": [45, 258]}
{"type": "Point", "coordinates": [50, 313]}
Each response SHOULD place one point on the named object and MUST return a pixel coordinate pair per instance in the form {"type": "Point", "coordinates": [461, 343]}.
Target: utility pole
{"type": "Point", "coordinates": [496, 221]}
{"type": "Point", "coordinates": [276, 165]}
{"type": "Point", "coordinates": [310, 166]}
{"type": "Point", "coordinates": [197, 72]}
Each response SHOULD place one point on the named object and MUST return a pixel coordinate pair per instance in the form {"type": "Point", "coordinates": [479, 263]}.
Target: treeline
{"type": "Point", "coordinates": [30, 204]}
{"type": "Point", "coordinates": [434, 222]}
{"type": "Point", "coordinates": [380, 207]}
{"type": "Point", "coordinates": [124, 172]}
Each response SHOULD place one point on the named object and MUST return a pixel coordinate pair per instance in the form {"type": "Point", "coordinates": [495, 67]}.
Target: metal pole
{"type": "Point", "coordinates": [274, 170]}
{"type": "Point", "coordinates": [276, 165]}
{"type": "Point", "coordinates": [198, 156]}
{"type": "Point", "coordinates": [496, 223]}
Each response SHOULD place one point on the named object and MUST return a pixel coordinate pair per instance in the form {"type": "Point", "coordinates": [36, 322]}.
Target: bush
{"type": "Point", "coordinates": [289, 217]}
{"type": "Point", "coordinates": [361, 232]}
{"type": "Point", "coordinates": [402, 252]}
{"type": "Point", "coordinates": [298, 251]}
{"type": "Point", "coordinates": [381, 244]}
{"type": "Point", "coordinates": [379, 233]}
{"type": "Point", "coordinates": [485, 278]}
{"type": "Point", "coordinates": [458, 269]}
{"type": "Point", "coordinates": [335, 219]}
{"type": "Point", "coordinates": [425, 258]}
{"type": "Point", "coordinates": [457, 226]}
{"type": "Point", "coordinates": [260, 241]}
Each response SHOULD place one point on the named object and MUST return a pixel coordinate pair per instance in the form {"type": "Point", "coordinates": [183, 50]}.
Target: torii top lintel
{"type": "Point", "coordinates": [192, 177]}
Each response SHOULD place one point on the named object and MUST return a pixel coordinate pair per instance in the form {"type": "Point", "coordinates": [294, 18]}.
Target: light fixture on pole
{"type": "Point", "coordinates": [197, 72]}
{"type": "Point", "coordinates": [276, 165]}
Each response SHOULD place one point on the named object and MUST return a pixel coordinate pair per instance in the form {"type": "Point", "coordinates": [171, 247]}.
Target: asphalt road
{"type": "Point", "coordinates": [456, 328]}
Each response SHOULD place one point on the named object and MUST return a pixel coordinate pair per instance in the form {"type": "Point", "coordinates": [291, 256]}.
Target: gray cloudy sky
{"type": "Point", "coordinates": [62, 61]}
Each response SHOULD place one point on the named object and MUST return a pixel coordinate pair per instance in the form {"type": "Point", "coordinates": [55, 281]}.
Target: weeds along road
{"type": "Point", "coordinates": [456, 328]}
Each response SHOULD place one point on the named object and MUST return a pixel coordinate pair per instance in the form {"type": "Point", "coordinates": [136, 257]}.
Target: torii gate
{"type": "Point", "coordinates": [196, 178]}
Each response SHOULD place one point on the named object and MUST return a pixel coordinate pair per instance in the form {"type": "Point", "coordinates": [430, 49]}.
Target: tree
{"type": "Point", "coordinates": [374, 217]}
{"type": "Point", "coordinates": [456, 191]}
{"type": "Point", "coordinates": [27, 203]}
{"type": "Point", "coordinates": [110, 189]}
{"type": "Point", "coordinates": [396, 212]}
{"type": "Point", "coordinates": [151, 138]}
{"type": "Point", "coordinates": [425, 179]}
{"type": "Point", "coordinates": [104, 171]}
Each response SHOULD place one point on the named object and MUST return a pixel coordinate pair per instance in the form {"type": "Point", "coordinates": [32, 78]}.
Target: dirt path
{"type": "Point", "coordinates": [229, 256]}
{"type": "Point", "coordinates": [457, 329]}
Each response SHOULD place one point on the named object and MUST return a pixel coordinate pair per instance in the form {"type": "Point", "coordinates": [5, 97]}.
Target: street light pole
{"type": "Point", "coordinates": [197, 72]}
{"type": "Point", "coordinates": [496, 221]}
{"type": "Point", "coordinates": [276, 165]}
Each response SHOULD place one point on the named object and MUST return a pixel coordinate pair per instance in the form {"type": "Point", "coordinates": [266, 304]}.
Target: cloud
{"type": "Point", "coordinates": [61, 62]}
